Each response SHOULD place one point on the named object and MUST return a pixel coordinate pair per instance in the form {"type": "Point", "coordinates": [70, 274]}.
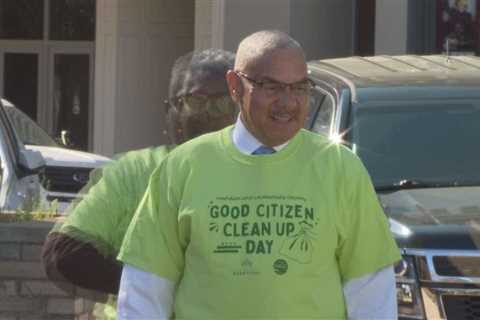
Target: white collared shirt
{"type": "Point", "coordinates": [146, 295]}
{"type": "Point", "coordinates": [245, 142]}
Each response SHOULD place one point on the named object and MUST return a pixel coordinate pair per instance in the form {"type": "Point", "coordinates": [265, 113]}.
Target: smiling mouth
{"type": "Point", "coordinates": [282, 118]}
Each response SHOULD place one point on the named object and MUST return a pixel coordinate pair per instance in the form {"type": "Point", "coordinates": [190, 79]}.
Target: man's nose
{"type": "Point", "coordinates": [287, 96]}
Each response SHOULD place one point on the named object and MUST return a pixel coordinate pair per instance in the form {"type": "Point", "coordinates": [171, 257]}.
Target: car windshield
{"type": "Point", "coordinates": [27, 130]}
{"type": "Point", "coordinates": [419, 144]}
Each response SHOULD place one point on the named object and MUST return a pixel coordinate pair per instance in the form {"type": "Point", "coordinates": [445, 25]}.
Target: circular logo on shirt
{"type": "Point", "coordinates": [280, 266]}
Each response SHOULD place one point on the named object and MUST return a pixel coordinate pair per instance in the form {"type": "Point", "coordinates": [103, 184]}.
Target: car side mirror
{"type": "Point", "coordinates": [31, 159]}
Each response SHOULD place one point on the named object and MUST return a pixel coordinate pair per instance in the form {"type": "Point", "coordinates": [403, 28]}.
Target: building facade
{"type": "Point", "coordinates": [99, 70]}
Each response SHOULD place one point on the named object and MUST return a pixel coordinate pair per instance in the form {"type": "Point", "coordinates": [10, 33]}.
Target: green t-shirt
{"type": "Point", "coordinates": [260, 237]}
{"type": "Point", "coordinates": [104, 212]}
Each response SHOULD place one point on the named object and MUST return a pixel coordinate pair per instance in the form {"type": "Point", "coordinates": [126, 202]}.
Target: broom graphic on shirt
{"type": "Point", "coordinates": [299, 247]}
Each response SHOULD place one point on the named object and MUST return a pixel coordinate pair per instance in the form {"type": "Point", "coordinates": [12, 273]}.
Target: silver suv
{"type": "Point", "coordinates": [37, 172]}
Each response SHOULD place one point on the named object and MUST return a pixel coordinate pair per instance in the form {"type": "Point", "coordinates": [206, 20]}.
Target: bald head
{"type": "Point", "coordinates": [269, 65]}
{"type": "Point", "coordinates": [259, 45]}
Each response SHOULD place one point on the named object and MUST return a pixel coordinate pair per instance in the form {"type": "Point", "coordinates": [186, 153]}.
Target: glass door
{"type": "Point", "coordinates": [22, 78]}
{"type": "Point", "coordinates": [71, 97]}
{"type": "Point", "coordinates": [46, 63]}
{"type": "Point", "coordinates": [21, 59]}
{"type": "Point", "coordinates": [56, 92]}
{"type": "Point", "coordinates": [20, 81]}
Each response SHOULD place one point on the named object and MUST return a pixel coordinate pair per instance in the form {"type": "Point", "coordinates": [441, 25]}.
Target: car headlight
{"type": "Point", "coordinates": [408, 292]}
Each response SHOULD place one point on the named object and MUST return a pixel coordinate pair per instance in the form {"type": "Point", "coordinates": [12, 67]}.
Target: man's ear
{"type": "Point", "coordinates": [235, 86]}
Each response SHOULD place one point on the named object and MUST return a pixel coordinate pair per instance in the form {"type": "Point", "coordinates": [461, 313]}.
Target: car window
{"type": "Point", "coordinates": [429, 142]}
{"type": "Point", "coordinates": [27, 130]}
{"type": "Point", "coordinates": [321, 111]}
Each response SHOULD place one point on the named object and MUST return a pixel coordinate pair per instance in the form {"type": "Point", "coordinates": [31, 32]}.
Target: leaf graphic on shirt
{"type": "Point", "coordinates": [213, 226]}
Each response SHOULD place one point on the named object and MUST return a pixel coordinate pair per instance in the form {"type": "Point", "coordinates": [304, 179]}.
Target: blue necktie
{"type": "Point", "coordinates": [263, 150]}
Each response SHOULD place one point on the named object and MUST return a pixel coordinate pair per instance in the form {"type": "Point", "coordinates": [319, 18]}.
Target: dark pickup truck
{"type": "Point", "coordinates": [415, 123]}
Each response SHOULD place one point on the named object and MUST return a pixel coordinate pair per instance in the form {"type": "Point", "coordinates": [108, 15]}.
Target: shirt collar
{"type": "Point", "coordinates": [245, 142]}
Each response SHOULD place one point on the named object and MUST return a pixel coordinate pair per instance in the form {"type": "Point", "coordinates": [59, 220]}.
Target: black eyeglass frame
{"type": "Point", "coordinates": [261, 84]}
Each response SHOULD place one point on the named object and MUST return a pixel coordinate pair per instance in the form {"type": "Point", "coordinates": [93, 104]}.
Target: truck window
{"type": "Point", "coordinates": [321, 112]}
{"type": "Point", "coordinates": [27, 130]}
{"type": "Point", "coordinates": [435, 143]}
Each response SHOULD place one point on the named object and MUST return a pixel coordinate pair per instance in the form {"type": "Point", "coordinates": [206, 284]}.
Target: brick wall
{"type": "Point", "coordinates": [25, 292]}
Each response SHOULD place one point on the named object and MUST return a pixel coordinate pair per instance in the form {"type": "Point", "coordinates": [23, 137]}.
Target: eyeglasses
{"type": "Point", "coordinates": [216, 104]}
{"type": "Point", "coordinates": [274, 88]}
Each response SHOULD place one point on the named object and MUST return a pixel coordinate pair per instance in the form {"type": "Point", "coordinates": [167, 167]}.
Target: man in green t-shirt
{"type": "Point", "coordinates": [82, 250]}
{"type": "Point", "coordinates": [261, 220]}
